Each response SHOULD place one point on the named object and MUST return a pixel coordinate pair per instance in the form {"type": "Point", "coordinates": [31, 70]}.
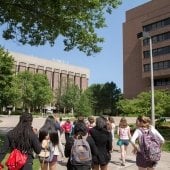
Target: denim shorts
{"type": "Point", "coordinates": [124, 142]}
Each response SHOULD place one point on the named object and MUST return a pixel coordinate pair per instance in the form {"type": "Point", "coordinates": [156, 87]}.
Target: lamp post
{"type": "Point", "coordinates": [144, 35]}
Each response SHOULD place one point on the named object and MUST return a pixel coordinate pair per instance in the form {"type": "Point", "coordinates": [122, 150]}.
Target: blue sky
{"type": "Point", "coordinates": [104, 67]}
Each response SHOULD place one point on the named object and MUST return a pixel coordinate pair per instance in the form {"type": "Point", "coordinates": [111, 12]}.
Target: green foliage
{"type": "Point", "coordinates": [70, 98]}
{"type": "Point", "coordinates": [37, 22]}
{"type": "Point", "coordinates": [83, 106]}
{"type": "Point", "coordinates": [142, 104]}
{"type": "Point", "coordinates": [42, 91]}
{"type": "Point", "coordinates": [6, 75]}
{"type": "Point", "coordinates": [104, 98]}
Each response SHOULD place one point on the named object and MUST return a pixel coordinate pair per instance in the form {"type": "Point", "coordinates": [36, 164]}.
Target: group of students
{"type": "Point", "coordinates": [98, 133]}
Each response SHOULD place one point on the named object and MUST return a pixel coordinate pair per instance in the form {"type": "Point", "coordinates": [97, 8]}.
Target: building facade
{"type": "Point", "coordinates": [58, 73]}
{"type": "Point", "coordinates": [152, 17]}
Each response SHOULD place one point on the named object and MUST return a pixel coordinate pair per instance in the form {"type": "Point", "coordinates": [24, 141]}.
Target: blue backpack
{"type": "Point", "coordinates": [150, 146]}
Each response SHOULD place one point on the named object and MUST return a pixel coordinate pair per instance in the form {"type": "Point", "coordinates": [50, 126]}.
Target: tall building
{"type": "Point", "coordinates": [152, 17]}
{"type": "Point", "coordinates": [58, 73]}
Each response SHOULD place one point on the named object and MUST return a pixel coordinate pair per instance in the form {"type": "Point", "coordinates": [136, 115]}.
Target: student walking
{"type": "Point", "coordinates": [113, 126]}
{"type": "Point", "coordinates": [23, 138]}
{"type": "Point", "coordinates": [103, 141]}
{"type": "Point", "coordinates": [49, 137]}
{"type": "Point", "coordinates": [80, 134]}
{"type": "Point", "coordinates": [148, 150]}
{"type": "Point", "coordinates": [124, 134]}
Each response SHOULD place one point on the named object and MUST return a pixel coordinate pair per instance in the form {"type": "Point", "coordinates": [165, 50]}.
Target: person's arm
{"type": "Point", "coordinates": [36, 144]}
{"type": "Point", "coordinates": [4, 149]}
{"type": "Point", "coordinates": [118, 131]}
{"type": "Point", "coordinates": [68, 146]}
{"type": "Point", "coordinates": [60, 146]}
{"type": "Point", "coordinates": [133, 140]}
{"type": "Point", "coordinates": [109, 143]}
{"type": "Point", "coordinates": [92, 144]}
{"type": "Point", "coordinates": [129, 133]}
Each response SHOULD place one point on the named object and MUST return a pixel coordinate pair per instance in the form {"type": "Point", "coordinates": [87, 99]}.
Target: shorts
{"type": "Point", "coordinates": [123, 142]}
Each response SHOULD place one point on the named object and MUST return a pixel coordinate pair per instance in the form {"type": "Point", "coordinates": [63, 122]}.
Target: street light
{"type": "Point", "coordinates": [144, 35]}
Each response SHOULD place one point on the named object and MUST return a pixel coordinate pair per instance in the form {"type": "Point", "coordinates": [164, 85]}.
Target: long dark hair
{"type": "Point", "coordinates": [21, 135]}
{"type": "Point", "coordinates": [49, 128]}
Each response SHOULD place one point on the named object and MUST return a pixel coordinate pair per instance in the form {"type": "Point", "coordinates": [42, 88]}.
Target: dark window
{"type": "Point", "coordinates": [157, 25]}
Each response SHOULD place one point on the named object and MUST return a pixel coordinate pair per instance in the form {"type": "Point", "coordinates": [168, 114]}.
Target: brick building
{"type": "Point", "coordinates": [152, 17]}
{"type": "Point", "coordinates": [58, 73]}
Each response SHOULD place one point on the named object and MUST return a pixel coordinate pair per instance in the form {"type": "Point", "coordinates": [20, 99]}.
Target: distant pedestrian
{"type": "Point", "coordinates": [149, 142]}
{"type": "Point", "coordinates": [103, 141]}
{"type": "Point", "coordinates": [124, 134]}
{"type": "Point", "coordinates": [67, 127]}
{"type": "Point", "coordinates": [113, 126]}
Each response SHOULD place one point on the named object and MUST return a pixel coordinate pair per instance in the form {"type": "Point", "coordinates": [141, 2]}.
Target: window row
{"type": "Point", "coordinates": [157, 38]}
{"type": "Point", "coordinates": [157, 66]}
{"type": "Point", "coordinates": [157, 25]}
{"type": "Point", "coordinates": [162, 82]}
{"type": "Point", "coordinates": [157, 52]}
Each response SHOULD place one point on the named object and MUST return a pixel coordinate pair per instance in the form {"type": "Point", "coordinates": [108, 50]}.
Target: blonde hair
{"type": "Point", "coordinates": [123, 122]}
{"type": "Point", "coordinates": [144, 121]}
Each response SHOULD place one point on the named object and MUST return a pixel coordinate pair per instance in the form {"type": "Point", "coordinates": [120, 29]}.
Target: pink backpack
{"type": "Point", "coordinates": [67, 127]}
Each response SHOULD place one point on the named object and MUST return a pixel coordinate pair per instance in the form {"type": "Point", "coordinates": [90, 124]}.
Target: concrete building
{"type": "Point", "coordinates": [152, 17]}
{"type": "Point", "coordinates": [58, 73]}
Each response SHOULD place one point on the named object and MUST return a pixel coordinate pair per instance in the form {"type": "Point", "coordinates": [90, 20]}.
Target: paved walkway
{"type": "Point", "coordinates": [7, 123]}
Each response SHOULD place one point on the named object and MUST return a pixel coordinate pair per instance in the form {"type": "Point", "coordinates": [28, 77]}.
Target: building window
{"type": "Point", "coordinates": [157, 66]}
{"type": "Point", "coordinates": [157, 52]}
{"type": "Point", "coordinates": [162, 82]}
{"type": "Point", "coordinates": [157, 25]}
{"type": "Point", "coordinates": [157, 38]}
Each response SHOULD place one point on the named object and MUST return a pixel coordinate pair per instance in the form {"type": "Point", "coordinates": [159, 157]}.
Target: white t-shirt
{"type": "Point", "coordinates": [138, 133]}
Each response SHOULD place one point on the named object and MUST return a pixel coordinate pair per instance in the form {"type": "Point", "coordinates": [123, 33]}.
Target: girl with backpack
{"type": "Point", "coordinates": [22, 138]}
{"type": "Point", "coordinates": [150, 140]}
{"type": "Point", "coordinates": [50, 140]}
{"type": "Point", "coordinates": [85, 143]}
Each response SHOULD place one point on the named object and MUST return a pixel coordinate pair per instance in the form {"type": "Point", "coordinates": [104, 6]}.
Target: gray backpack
{"type": "Point", "coordinates": [81, 153]}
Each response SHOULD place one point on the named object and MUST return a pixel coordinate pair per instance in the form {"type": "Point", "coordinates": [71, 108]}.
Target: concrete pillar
{"type": "Point", "coordinates": [56, 79]}
{"type": "Point", "coordinates": [77, 79]}
{"type": "Point", "coordinates": [22, 67]}
{"type": "Point", "coordinates": [40, 69]}
{"type": "Point", "coordinates": [63, 80]}
{"type": "Point", "coordinates": [48, 72]}
{"type": "Point", "coordinates": [70, 78]}
{"type": "Point", "coordinates": [84, 82]}
{"type": "Point", "coordinates": [32, 68]}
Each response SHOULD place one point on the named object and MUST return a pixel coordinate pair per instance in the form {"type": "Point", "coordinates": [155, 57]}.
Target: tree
{"type": "Point", "coordinates": [83, 106]}
{"type": "Point", "coordinates": [142, 104]}
{"type": "Point", "coordinates": [6, 75]}
{"type": "Point", "coordinates": [42, 91]}
{"type": "Point", "coordinates": [37, 22]}
{"type": "Point", "coordinates": [70, 98]}
{"type": "Point", "coordinates": [25, 84]}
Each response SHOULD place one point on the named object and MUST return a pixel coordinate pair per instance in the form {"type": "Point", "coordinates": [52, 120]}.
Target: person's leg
{"type": "Point", "coordinates": [103, 167]}
{"type": "Point", "coordinates": [96, 167]}
{"type": "Point", "coordinates": [44, 166]}
{"type": "Point", "coordinates": [53, 166]}
{"type": "Point", "coordinates": [122, 149]}
{"type": "Point", "coordinates": [125, 151]}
